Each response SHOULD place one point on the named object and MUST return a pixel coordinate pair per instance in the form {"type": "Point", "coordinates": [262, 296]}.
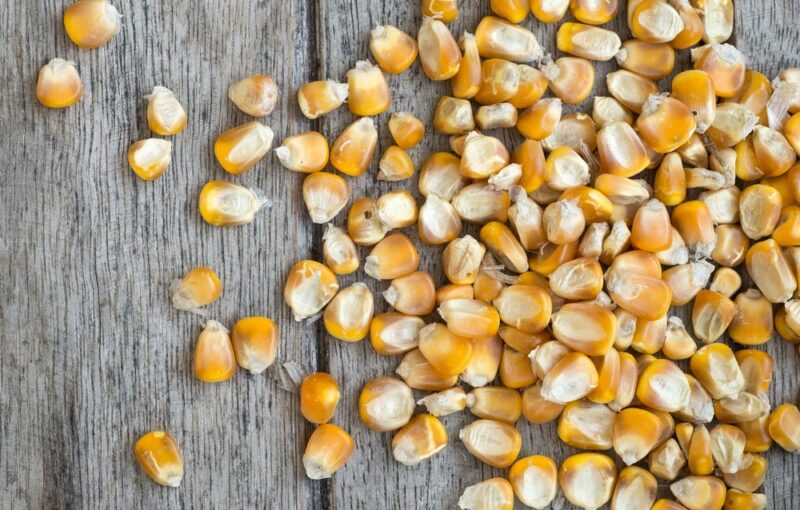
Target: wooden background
{"type": "Point", "coordinates": [91, 353]}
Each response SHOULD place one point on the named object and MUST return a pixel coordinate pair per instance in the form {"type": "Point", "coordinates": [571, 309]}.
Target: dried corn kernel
{"type": "Point", "coordinates": [587, 479]}
{"type": "Point", "coordinates": [91, 23]}
{"type": "Point", "coordinates": [257, 95]}
{"type": "Point", "coordinates": [587, 41]}
{"type": "Point", "coordinates": [621, 151]}
{"type": "Point", "coordinates": [630, 89]}
{"type": "Point", "coordinates": [214, 359]}
{"type": "Point", "coordinates": [571, 79]}
{"type": "Point", "coordinates": [318, 98]}
{"type": "Point", "coordinates": [199, 287]}
{"type": "Point", "coordinates": [327, 450]}
{"type": "Point", "coordinates": [636, 488]}
{"type": "Point", "coordinates": [239, 149]}
{"type": "Point", "coordinates": [716, 368]}
{"type": "Point", "coordinates": [447, 353]}
{"type": "Point", "coordinates": [385, 404]}
{"type": "Point", "coordinates": [353, 150]}
{"type": "Point", "coordinates": [420, 375]}
{"type": "Point", "coordinates": [348, 315]}
{"type": "Point", "coordinates": [438, 221]}
{"type": "Point", "coordinates": [699, 492]}
{"type": "Point", "coordinates": [325, 195]}
{"type": "Point", "coordinates": [395, 333]}
{"type": "Point", "coordinates": [319, 395]}
{"type": "Point", "coordinates": [59, 85]}
{"type": "Point", "coordinates": [309, 287]}
{"type": "Point", "coordinates": [493, 442]}
{"type": "Point", "coordinates": [419, 439]}
{"type": "Point", "coordinates": [438, 51]}
{"type": "Point", "coordinates": [651, 60]}
{"type": "Point", "coordinates": [412, 294]}
{"type": "Point", "coordinates": [406, 129]}
{"type": "Point", "coordinates": [304, 152]}
{"type": "Point", "coordinates": [165, 115]}
{"type": "Point", "coordinates": [663, 387]}
{"type": "Point", "coordinates": [255, 343]}
{"type": "Point", "coordinates": [369, 93]}
{"type": "Point", "coordinates": [160, 458]}
{"type": "Point", "coordinates": [225, 204]}
{"type": "Point", "coordinates": [150, 158]}
{"type": "Point", "coordinates": [492, 494]}
{"type": "Point", "coordinates": [393, 49]}
{"type": "Point", "coordinates": [784, 427]}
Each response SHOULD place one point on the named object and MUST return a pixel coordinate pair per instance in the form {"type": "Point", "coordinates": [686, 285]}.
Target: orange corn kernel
{"type": "Point", "coordinates": [470, 318]}
{"type": "Point", "coordinates": [59, 85]}
{"type": "Point", "coordinates": [665, 123]}
{"type": "Point", "coordinates": [309, 287]}
{"type": "Point", "coordinates": [385, 404]}
{"type": "Point", "coordinates": [651, 60]}
{"type": "Point", "coordinates": [655, 21]}
{"type": "Point", "coordinates": [724, 64]}
{"type": "Point", "coordinates": [621, 151]}
{"type": "Point", "coordinates": [348, 315]}
{"type": "Point", "coordinates": [239, 149]}
{"type": "Point", "coordinates": [467, 81]}
{"type": "Point", "coordinates": [420, 375]}
{"type": "Point", "coordinates": [663, 386]}
{"type": "Point", "coordinates": [406, 129]}
{"type": "Point", "coordinates": [255, 343]}
{"type": "Point", "coordinates": [587, 479]}
{"type": "Point", "coordinates": [214, 359]}
{"type": "Point", "coordinates": [304, 152]}
{"type": "Point", "coordinates": [419, 439]}
{"type": "Point", "coordinates": [395, 333]}
{"type": "Point", "coordinates": [447, 353]}
{"type": "Point", "coordinates": [493, 442]}
{"type": "Point", "coordinates": [587, 41]}
{"type": "Point", "coordinates": [225, 204]}
{"type": "Point", "coordinates": [499, 81]}
{"type": "Point", "coordinates": [165, 114]}
{"type": "Point", "coordinates": [549, 11]}
{"type": "Point", "coordinates": [769, 270]}
{"type": "Point", "coordinates": [438, 51]}
{"type": "Point", "coordinates": [199, 287]}
{"type": "Point", "coordinates": [160, 458]}
{"type": "Point", "coordinates": [753, 322]}
{"type": "Point", "coordinates": [256, 95]}
{"type": "Point", "coordinates": [445, 10]}
{"type": "Point", "coordinates": [318, 98]}
{"type": "Point", "coordinates": [353, 150]}
{"type": "Point", "coordinates": [319, 395]}
{"type": "Point", "coordinates": [571, 79]}
{"type": "Point", "coordinates": [630, 89]}
{"type": "Point", "coordinates": [327, 450]}
{"type": "Point", "coordinates": [393, 49]}
{"type": "Point", "coordinates": [91, 23]}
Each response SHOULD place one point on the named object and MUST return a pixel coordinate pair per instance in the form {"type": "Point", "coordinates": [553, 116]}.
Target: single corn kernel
{"type": "Point", "coordinates": [641, 294]}
{"type": "Point", "coordinates": [325, 195]}
{"type": "Point", "coordinates": [716, 368]}
{"type": "Point", "coordinates": [549, 11]}
{"type": "Point", "coordinates": [445, 10]}
{"type": "Point", "coordinates": [199, 287]}
{"type": "Point", "coordinates": [737, 500]}
{"type": "Point", "coordinates": [753, 322]}
{"type": "Point", "coordinates": [160, 458]}
{"type": "Point", "coordinates": [651, 230]}
{"type": "Point", "coordinates": [676, 254]}
{"type": "Point", "coordinates": [348, 315]}
{"type": "Point", "coordinates": [628, 375]}
{"type": "Point", "coordinates": [545, 356]}
{"type": "Point", "coordinates": [565, 169]}
{"type": "Point", "coordinates": [665, 123]}
{"type": "Point", "coordinates": [712, 313]}
{"type": "Point", "coordinates": [470, 318]}
{"type": "Point", "coordinates": [578, 279]}
{"type": "Point", "coordinates": [759, 210]}
{"type": "Point", "coordinates": [732, 246]}
{"type": "Point", "coordinates": [693, 221]}
{"type": "Point", "coordinates": [787, 230]}
{"type": "Point", "coordinates": [495, 116]}
{"type": "Point", "coordinates": [521, 341]}
{"type": "Point", "coordinates": [563, 222]}
{"type": "Point", "coordinates": [733, 123]}
{"type": "Point", "coordinates": [165, 115]}
{"type": "Point", "coordinates": [514, 11]}
{"type": "Point", "coordinates": [636, 488]}
{"type": "Point", "coordinates": [385, 404]}
{"type": "Point", "coordinates": [723, 204]}
{"type": "Point", "coordinates": [412, 294]}
{"type": "Point", "coordinates": [663, 387]}
{"type": "Point", "coordinates": [718, 19]}
{"type": "Point", "coordinates": [150, 158]}
{"type": "Point", "coordinates": [769, 270]}
{"type": "Point", "coordinates": [701, 407]}
{"type": "Point", "coordinates": [532, 86]}
{"type": "Point", "coordinates": [447, 353]}
{"type": "Point", "coordinates": [670, 180]}
{"type": "Point", "coordinates": [327, 450]}
{"type": "Point", "coordinates": [479, 203]}
{"type": "Point", "coordinates": [571, 79]}
{"type": "Point", "coordinates": [591, 245]}
{"type": "Point", "coordinates": [667, 460]}
{"type": "Point", "coordinates": [319, 395]}
{"type": "Point", "coordinates": [484, 364]}
{"type": "Point", "coordinates": [419, 439]}
{"type": "Point", "coordinates": [257, 95]}
{"type": "Point", "coordinates": [742, 408]}
{"type": "Point", "coordinates": [369, 93]}
{"type": "Point", "coordinates": [497, 38]}
{"type": "Point", "coordinates": [550, 256]}
{"type": "Point", "coordinates": [587, 479]}
{"type": "Point", "coordinates": [214, 359]}
{"type": "Point", "coordinates": [339, 251]}
{"type": "Point", "coordinates": [693, 26]}
{"type": "Point", "coordinates": [483, 156]}
{"type": "Point", "coordinates": [621, 151]}
{"type": "Point", "coordinates": [587, 41]}
{"type": "Point", "coordinates": [727, 448]}
{"type": "Point", "coordinates": [534, 480]}
{"type": "Point", "coordinates": [536, 408]}
{"type": "Point", "coordinates": [782, 326]}
{"type": "Point", "coordinates": [393, 257]}
{"type": "Point", "coordinates": [585, 327]}
{"type": "Point", "coordinates": [440, 175]}
{"type": "Point", "coordinates": [530, 155]}
{"type": "Point", "coordinates": [502, 244]}
{"type": "Point", "coordinates": [406, 129]}
{"type": "Point", "coordinates": [363, 224]}
{"type": "Point", "coordinates": [395, 333]}
{"type": "Point", "coordinates": [396, 209]}
{"type": "Point", "coordinates": [59, 85]}
{"type": "Point", "coordinates": [694, 151]}
{"type": "Point", "coordinates": [353, 150]}
{"type": "Point", "coordinates": [304, 152]}
{"type": "Point", "coordinates": [635, 433]}
{"type": "Point", "coordinates": [678, 344]}
{"type": "Point", "coordinates": [467, 81]}
{"type": "Point", "coordinates": [649, 335]}
{"type": "Point", "coordinates": [784, 427]}
{"type": "Point", "coordinates": [630, 89]}
{"type": "Point", "coordinates": [755, 94]}
{"type": "Point", "coordinates": [493, 442]}
{"type": "Point", "coordinates": [506, 178]}
{"type": "Point", "coordinates": [438, 51]}
{"type": "Point", "coordinates": [438, 221]}
{"type": "Point", "coordinates": [774, 154]}
{"type": "Point", "coordinates": [420, 375]}
{"type": "Point", "coordinates": [492, 494]}
{"type": "Point", "coordinates": [318, 98]}
{"type": "Point", "coordinates": [225, 204]}
{"type": "Point", "coordinates": [756, 368]}
{"type": "Point", "coordinates": [573, 377]}
{"type": "Point", "coordinates": [395, 165]}
{"type": "Point", "coordinates": [651, 60]}
{"type": "Point", "coordinates": [699, 492]}
{"type": "Point", "coordinates": [626, 328]}
{"type": "Point", "coordinates": [309, 287]}
{"type": "Point", "coordinates": [499, 81]}
{"type": "Point", "coordinates": [724, 64]}
{"type": "Point", "coordinates": [495, 403]}
{"type": "Point", "coordinates": [91, 23]}
{"type": "Point", "coordinates": [515, 369]}
{"type": "Point", "coordinates": [239, 149]}
{"type": "Point", "coordinates": [445, 402]}
{"type": "Point", "coordinates": [695, 89]}
{"type": "Point", "coordinates": [607, 110]}
{"type": "Point", "coordinates": [594, 12]}
{"type": "Point", "coordinates": [255, 343]}
{"type": "Point", "coordinates": [577, 131]}
{"type": "Point", "coordinates": [700, 459]}
{"type": "Point", "coordinates": [393, 49]}
{"type": "Point", "coordinates": [461, 260]}
{"type": "Point", "coordinates": [655, 21]}
{"type": "Point", "coordinates": [586, 425]}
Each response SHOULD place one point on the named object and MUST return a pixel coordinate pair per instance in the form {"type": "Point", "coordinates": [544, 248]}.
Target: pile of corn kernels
{"type": "Point", "coordinates": [565, 295]}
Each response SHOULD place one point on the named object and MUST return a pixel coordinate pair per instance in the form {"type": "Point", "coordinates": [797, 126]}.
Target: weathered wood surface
{"type": "Point", "coordinates": [92, 353]}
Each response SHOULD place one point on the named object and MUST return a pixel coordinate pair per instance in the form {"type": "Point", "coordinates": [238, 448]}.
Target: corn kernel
{"type": "Point", "coordinates": [419, 439]}
{"type": "Point", "coordinates": [565, 169]}
{"type": "Point", "coordinates": [461, 260]}
{"type": "Point", "coordinates": [573, 377]}
{"type": "Point", "coordinates": [214, 359]}
{"type": "Point", "coordinates": [736, 500]}
{"type": "Point", "coordinates": [467, 81]}
{"type": "Point", "coordinates": [318, 98]}
{"type": "Point", "coordinates": [577, 131]}
{"type": "Point", "coordinates": [769, 270]}
{"type": "Point", "coordinates": [385, 404]}
{"type": "Point", "coordinates": [59, 84]}
{"type": "Point", "coordinates": [586, 425]}
{"type": "Point", "coordinates": [255, 343]}
{"type": "Point", "coordinates": [391, 258]}
{"type": "Point", "coordinates": [753, 323]}
{"type": "Point", "coordinates": [744, 407]}
{"type": "Point", "coordinates": [724, 64]}
{"type": "Point", "coordinates": [499, 82]}
{"type": "Point", "coordinates": [712, 313]}
{"type": "Point", "coordinates": [369, 93]}
{"type": "Point", "coordinates": [257, 95]}
{"type": "Point", "coordinates": [239, 149]}
{"type": "Point", "coordinates": [91, 23]}
{"type": "Point", "coordinates": [621, 151]}
{"type": "Point", "coordinates": [663, 387]}
{"type": "Point", "coordinates": [587, 41]}
{"type": "Point", "coordinates": [339, 251]}
{"type": "Point", "coordinates": [500, 241]}
{"type": "Point", "coordinates": [393, 49]}
{"type": "Point", "coordinates": [498, 38]}
{"type": "Point", "coordinates": [363, 224]}
{"type": "Point", "coordinates": [756, 368]}
{"type": "Point", "coordinates": [479, 203]}
{"type": "Point", "coordinates": [492, 494]}
{"type": "Point", "coordinates": [325, 195]}
{"type": "Point", "coordinates": [438, 221]}
{"type": "Point", "coordinates": [165, 115]}
{"type": "Point", "coordinates": [630, 89]}
{"type": "Point", "coordinates": [445, 10]}
{"type": "Point", "coordinates": [678, 344]}
{"type": "Point", "coordinates": [571, 79]}
{"type": "Point", "coordinates": [784, 427]}
{"type": "Point", "coordinates": [532, 86]}
{"type": "Point", "coordinates": [493, 442]}
{"type": "Point", "coordinates": [395, 333]}
{"type": "Point", "coordinates": [353, 150]}
{"type": "Point", "coordinates": [695, 89]}
{"type": "Point", "coordinates": [412, 294]}
{"type": "Point", "coordinates": [447, 353]}
{"type": "Point", "coordinates": [591, 245]}
{"type": "Point", "coordinates": [727, 448]}
{"type": "Point", "coordinates": [700, 459]}
{"type": "Point", "coordinates": [636, 488]}
{"type": "Point", "coordinates": [309, 287]}
{"type": "Point", "coordinates": [665, 123]}
{"type": "Point", "coordinates": [199, 287]}
{"type": "Point", "coordinates": [651, 60]}
{"type": "Point", "coordinates": [655, 21]}
{"type": "Point", "coordinates": [406, 129]}
{"type": "Point", "coordinates": [304, 152]}
{"type": "Point", "coordinates": [732, 123]}
{"type": "Point", "coordinates": [438, 51]}
{"type": "Point", "coordinates": [395, 165]}
{"type": "Point", "coordinates": [549, 11]}
{"type": "Point", "coordinates": [150, 158]}
{"type": "Point", "coordinates": [536, 409]}
{"type": "Point", "coordinates": [521, 341]}
{"type": "Point", "coordinates": [563, 222]}
{"type": "Point", "coordinates": [667, 460]}
{"type": "Point", "coordinates": [755, 94]}
{"type": "Point", "coordinates": [160, 458]}
{"type": "Point", "coordinates": [348, 315]}
{"type": "Point", "coordinates": [440, 175]}
{"type": "Point", "coordinates": [225, 204]}
{"type": "Point", "coordinates": [319, 395]}
{"type": "Point", "coordinates": [484, 363]}
{"type": "Point", "coordinates": [587, 479]}
{"type": "Point", "coordinates": [495, 403]}
{"type": "Point", "coordinates": [420, 375]}
{"type": "Point", "coordinates": [716, 368]}
{"type": "Point", "coordinates": [515, 369]}
{"type": "Point", "coordinates": [774, 154]}
{"type": "Point", "coordinates": [635, 433]}
{"type": "Point", "coordinates": [530, 155]}
{"type": "Point", "coordinates": [327, 450]}
{"type": "Point", "coordinates": [445, 402]}
{"type": "Point", "coordinates": [732, 246]}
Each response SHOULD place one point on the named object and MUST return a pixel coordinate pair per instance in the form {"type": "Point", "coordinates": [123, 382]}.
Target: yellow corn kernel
{"type": "Point", "coordinates": [470, 318]}
{"type": "Point", "coordinates": [587, 479]}
{"type": "Point", "coordinates": [784, 427]}
{"type": "Point", "coordinates": [641, 294]}
{"type": "Point", "coordinates": [577, 131]}
{"type": "Point", "coordinates": [785, 185]}
{"type": "Point", "coordinates": [724, 64]}
{"type": "Point", "coordinates": [492, 494]}
{"type": "Point", "coordinates": [396, 209]}
{"type": "Point", "coordinates": [621, 151]}
{"type": "Point", "coordinates": [497, 38]}
{"type": "Point", "coordinates": [394, 333]}
{"type": "Point", "coordinates": [521, 341]}
{"type": "Point", "coordinates": [700, 459]}
{"type": "Point", "coordinates": [447, 353]}
{"type": "Point", "coordinates": [585, 327]}
{"type": "Point", "coordinates": [532, 86]}
{"type": "Point", "coordinates": [651, 230]}
{"type": "Point", "coordinates": [369, 93]}
{"type": "Point", "coordinates": [499, 82]}
{"type": "Point", "coordinates": [502, 244]}
{"type": "Point", "coordinates": [363, 224]}
{"type": "Point", "coordinates": [571, 79]}
{"type": "Point", "coordinates": [536, 409]}
{"type": "Point", "coordinates": [595, 205]}
{"type": "Point", "coordinates": [678, 344]}
{"type": "Point", "coordinates": [319, 395]}
{"type": "Point", "coordinates": [392, 257]}
{"type": "Point", "coordinates": [610, 375]}
{"type": "Point", "coordinates": [565, 170]}
{"type": "Point", "coordinates": [239, 149]}
{"type": "Point", "coordinates": [746, 165]}
{"type": "Point", "coordinates": [586, 425]}
{"type": "Point", "coordinates": [304, 152]}
{"type": "Point", "coordinates": [420, 375]}
{"type": "Point", "coordinates": [626, 327]}
{"type": "Point", "coordinates": [91, 23]}
{"type": "Point", "coordinates": [479, 203]}
{"type": "Point", "coordinates": [530, 156]}
{"type": "Point", "coordinates": [483, 156]}
{"type": "Point", "coordinates": [741, 408]}
{"type": "Point", "coordinates": [563, 222]}
{"type": "Point", "coordinates": [493, 442]}
{"type": "Point", "coordinates": [727, 448]}
{"type": "Point", "coordinates": [667, 460]}
{"type": "Point", "coordinates": [651, 60]}
{"type": "Point", "coordinates": [412, 294]}
{"type": "Point", "coordinates": [495, 116]}
{"type": "Point", "coordinates": [461, 260]}
{"type": "Point", "coordinates": [693, 221]}
{"type": "Point", "coordinates": [214, 359]}
{"type": "Point", "coordinates": [438, 51]}
{"type": "Point", "coordinates": [325, 195]}
{"type": "Point", "coordinates": [515, 369]}
{"type": "Point", "coordinates": [393, 49]}
{"type": "Point", "coordinates": [445, 402]}
{"type": "Point", "coordinates": [630, 89]}
{"type": "Point", "coordinates": [753, 323]}
{"type": "Point", "coordinates": [445, 10]}
{"type": "Point", "coordinates": [309, 287]}
{"type": "Point", "coordinates": [484, 363]}
{"type": "Point", "coordinates": [199, 287]}
{"type": "Point", "coordinates": [550, 256]}
{"type": "Point", "coordinates": [774, 154]}
{"type": "Point", "coordinates": [160, 458]}
{"type": "Point", "coordinates": [538, 121]}
{"type": "Point", "coordinates": [406, 130]}
{"type": "Point", "coordinates": [791, 130]}
{"type": "Point", "coordinates": [255, 343]}
{"type": "Point", "coordinates": [514, 11]}
{"type": "Point", "coordinates": [573, 377]}
{"type": "Point", "coordinates": [59, 85]}
{"type": "Point", "coordinates": [257, 95]}
{"type": "Point", "coordinates": [636, 488]}
{"type": "Point", "coordinates": [757, 434]}
{"type": "Point", "coordinates": [755, 94]}
{"type": "Point", "coordinates": [545, 356]}
{"type": "Point", "coordinates": [769, 270]}
{"type": "Point", "coordinates": [695, 89]}
{"type": "Point", "coordinates": [225, 204]}
{"type": "Point", "coordinates": [318, 98]}
{"type": "Point", "coordinates": [636, 432]}
{"type": "Point", "coordinates": [732, 124]}
{"type": "Point", "coordinates": [339, 251]}
{"type": "Point", "coordinates": [756, 368]}
{"type": "Point", "coordinates": [165, 115]}
{"type": "Point", "coordinates": [716, 368]}
{"type": "Point", "coordinates": [467, 81]}
{"type": "Point", "coordinates": [587, 41]}
{"type": "Point", "coordinates": [594, 12]}
{"type": "Point", "coordinates": [327, 450]}
{"type": "Point", "coordinates": [534, 480]}
{"type": "Point", "coordinates": [665, 123]}
{"type": "Point", "coordinates": [453, 116]}
{"type": "Point", "coordinates": [150, 158]}
{"type": "Point", "coordinates": [649, 335]}
{"type": "Point", "coordinates": [578, 279]}
{"type": "Point", "coordinates": [783, 329]}
{"type": "Point", "coordinates": [655, 21]}
{"type": "Point", "coordinates": [712, 313]}
{"type": "Point", "coordinates": [693, 26]}
{"type": "Point", "coordinates": [438, 221]}
{"type": "Point", "coordinates": [549, 11]}
{"type": "Point", "coordinates": [419, 439]}
{"type": "Point", "coordinates": [348, 315]}
{"type": "Point", "coordinates": [670, 180]}
{"type": "Point", "coordinates": [395, 164]}
{"type": "Point", "coordinates": [663, 387]}
{"type": "Point", "coordinates": [737, 500]}
{"type": "Point", "coordinates": [385, 404]}
{"type": "Point", "coordinates": [607, 110]}
{"type": "Point", "coordinates": [699, 492]}
{"type": "Point", "coordinates": [732, 245]}
{"type": "Point", "coordinates": [353, 150]}
{"type": "Point", "coordinates": [495, 403]}
{"type": "Point", "coordinates": [718, 19]}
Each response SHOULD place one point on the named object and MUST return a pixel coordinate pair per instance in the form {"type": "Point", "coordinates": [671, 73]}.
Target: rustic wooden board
{"type": "Point", "coordinates": [93, 355]}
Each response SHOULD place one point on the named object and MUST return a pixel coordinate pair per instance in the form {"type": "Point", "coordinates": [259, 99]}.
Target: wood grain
{"type": "Point", "coordinates": [93, 355]}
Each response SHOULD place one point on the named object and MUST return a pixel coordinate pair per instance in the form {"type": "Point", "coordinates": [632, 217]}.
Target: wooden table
{"type": "Point", "coordinates": [92, 353]}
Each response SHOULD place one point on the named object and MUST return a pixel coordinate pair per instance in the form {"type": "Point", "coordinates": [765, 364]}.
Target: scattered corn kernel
{"type": "Point", "coordinates": [319, 395]}
{"type": "Point", "coordinates": [419, 439]}
{"type": "Point", "coordinates": [160, 458]}
{"type": "Point", "coordinates": [214, 359]}
{"type": "Point", "coordinates": [327, 450]}
{"type": "Point", "coordinates": [304, 152]}
{"type": "Point", "coordinates": [318, 98]}
{"type": "Point", "coordinates": [255, 343]}
{"type": "Point", "coordinates": [225, 204]}
{"type": "Point", "coordinates": [59, 85]}
{"type": "Point", "coordinates": [257, 95]}
{"type": "Point", "coordinates": [91, 23]}
{"type": "Point", "coordinates": [240, 148]}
